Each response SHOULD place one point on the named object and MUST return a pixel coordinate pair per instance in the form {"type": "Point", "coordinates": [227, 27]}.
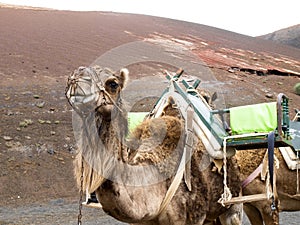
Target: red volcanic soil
{"type": "Point", "coordinates": [40, 48]}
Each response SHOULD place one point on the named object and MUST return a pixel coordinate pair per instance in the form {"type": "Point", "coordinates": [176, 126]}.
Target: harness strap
{"type": "Point", "coordinates": [182, 166]}
{"type": "Point", "coordinates": [252, 176]}
{"type": "Point", "coordinates": [271, 140]}
{"type": "Point", "coordinates": [174, 185]}
{"type": "Point", "coordinates": [189, 147]}
{"type": "Point", "coordinates": [262, 168]}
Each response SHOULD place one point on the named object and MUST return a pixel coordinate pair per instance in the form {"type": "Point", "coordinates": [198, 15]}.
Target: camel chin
{"type": "Point", "coordinates": [106, 111]}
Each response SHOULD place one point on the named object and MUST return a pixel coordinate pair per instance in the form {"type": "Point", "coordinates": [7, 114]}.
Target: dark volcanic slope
{"type": "Point", "coordinates": [54, 42]}
{"type": "Point", "coordinates": [288, 36]}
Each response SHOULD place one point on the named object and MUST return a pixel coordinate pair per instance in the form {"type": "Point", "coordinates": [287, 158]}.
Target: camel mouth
{"type": "Point", "coordinates": [82, 103]}
{"type": "Point", "coordinates": [106, 109]}
{"type": "Point", "coordinates": [83, 99]}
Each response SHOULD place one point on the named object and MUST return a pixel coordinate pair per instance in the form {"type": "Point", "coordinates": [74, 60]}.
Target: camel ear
{"type": "Point", "coordinates": [124, 77]}
{"type": "Point", "coordinates": [214, 96]}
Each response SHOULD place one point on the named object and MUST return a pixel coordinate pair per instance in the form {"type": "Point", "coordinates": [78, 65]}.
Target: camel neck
{"type": "Point", "coordinates": [112, 134]}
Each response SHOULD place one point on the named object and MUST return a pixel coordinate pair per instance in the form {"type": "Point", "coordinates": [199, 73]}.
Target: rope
{"type": "Point", "coordinates": [81, 194]}
{"type": "Point", "coordinates": [226, 196]}
{"type": "Point", "coordinates": [102, 89]}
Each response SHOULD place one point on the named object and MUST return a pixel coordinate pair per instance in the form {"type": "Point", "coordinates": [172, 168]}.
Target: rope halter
{"type": "Point", "coordinates": [86, 91]}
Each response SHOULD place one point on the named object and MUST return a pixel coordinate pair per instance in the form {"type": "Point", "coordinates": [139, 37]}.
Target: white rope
{"type": "Point", "coordinates": [226, 196]}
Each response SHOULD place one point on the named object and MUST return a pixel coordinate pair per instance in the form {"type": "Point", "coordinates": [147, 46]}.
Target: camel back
{"type": "Point", "coordinates": [249, 125]}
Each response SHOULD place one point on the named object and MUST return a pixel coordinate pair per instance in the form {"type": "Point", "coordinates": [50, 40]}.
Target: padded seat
{"type": "Point", "coordinates": [257, 118]}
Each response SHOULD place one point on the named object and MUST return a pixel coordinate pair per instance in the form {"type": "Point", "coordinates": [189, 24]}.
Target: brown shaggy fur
{"type": "Point", "coordinates": [84, 173]}
{"type": "Point", "coordinates": [259, 212]}
{"type": "Point", "coordinates": [147, 145]}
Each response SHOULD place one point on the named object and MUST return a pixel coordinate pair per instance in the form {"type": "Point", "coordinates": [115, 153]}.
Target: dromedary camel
{"type": "Point", "coordinates": [260, 212]}
{"type": "Point", "coordinates": [132, 179]}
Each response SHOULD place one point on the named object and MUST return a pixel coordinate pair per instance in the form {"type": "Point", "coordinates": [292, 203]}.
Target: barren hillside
{"type": "Point", "coordinates": [288, 36]}
{"type": "Point", "coordinates": [39, 48]}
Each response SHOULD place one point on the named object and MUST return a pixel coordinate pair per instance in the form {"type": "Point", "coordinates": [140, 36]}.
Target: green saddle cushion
{"type": "Point", "coordinates": [134, 119]}
{"type": "Point", "coordinates": [253, 118]}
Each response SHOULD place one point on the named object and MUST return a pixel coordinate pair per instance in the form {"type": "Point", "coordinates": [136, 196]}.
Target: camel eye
{"type": "Point", "coordinates": [113, 85]}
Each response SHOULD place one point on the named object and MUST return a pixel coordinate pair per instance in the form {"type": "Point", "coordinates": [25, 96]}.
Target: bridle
{"type": "Point", "coordinates": [98, 94]}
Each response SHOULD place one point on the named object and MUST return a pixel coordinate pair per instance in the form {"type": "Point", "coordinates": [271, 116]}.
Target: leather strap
{"type": "Point", "coordinates": [252, 176]}
{"type": "Point", "coordinates": [271, 141]}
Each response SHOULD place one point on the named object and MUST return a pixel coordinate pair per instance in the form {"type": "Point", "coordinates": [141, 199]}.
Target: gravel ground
{"type": "Point", "coordinates": [59, 212]}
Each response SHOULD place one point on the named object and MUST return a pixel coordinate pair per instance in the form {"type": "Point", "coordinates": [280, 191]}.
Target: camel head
{"type": "Point", "coordinates": [92, 89]}
{"type": "Point", "coordinates": [113, 83]}
{"type": "Point", "coordinates": [94, 94]}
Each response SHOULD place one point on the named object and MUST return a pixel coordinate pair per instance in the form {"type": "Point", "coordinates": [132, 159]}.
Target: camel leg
{"type": "Point", "coordinates": [260, 213]}
{"type": "Point", "coordinates": [270, 218]}
{"type": "Point", "coordinates": [233, 216]}
{"type": "Point", "coordinates": [201, 220]}
{"type": "Point", "coordinates": [171, 217]}
{"type": "Point", "coordinates": [253, 214]}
